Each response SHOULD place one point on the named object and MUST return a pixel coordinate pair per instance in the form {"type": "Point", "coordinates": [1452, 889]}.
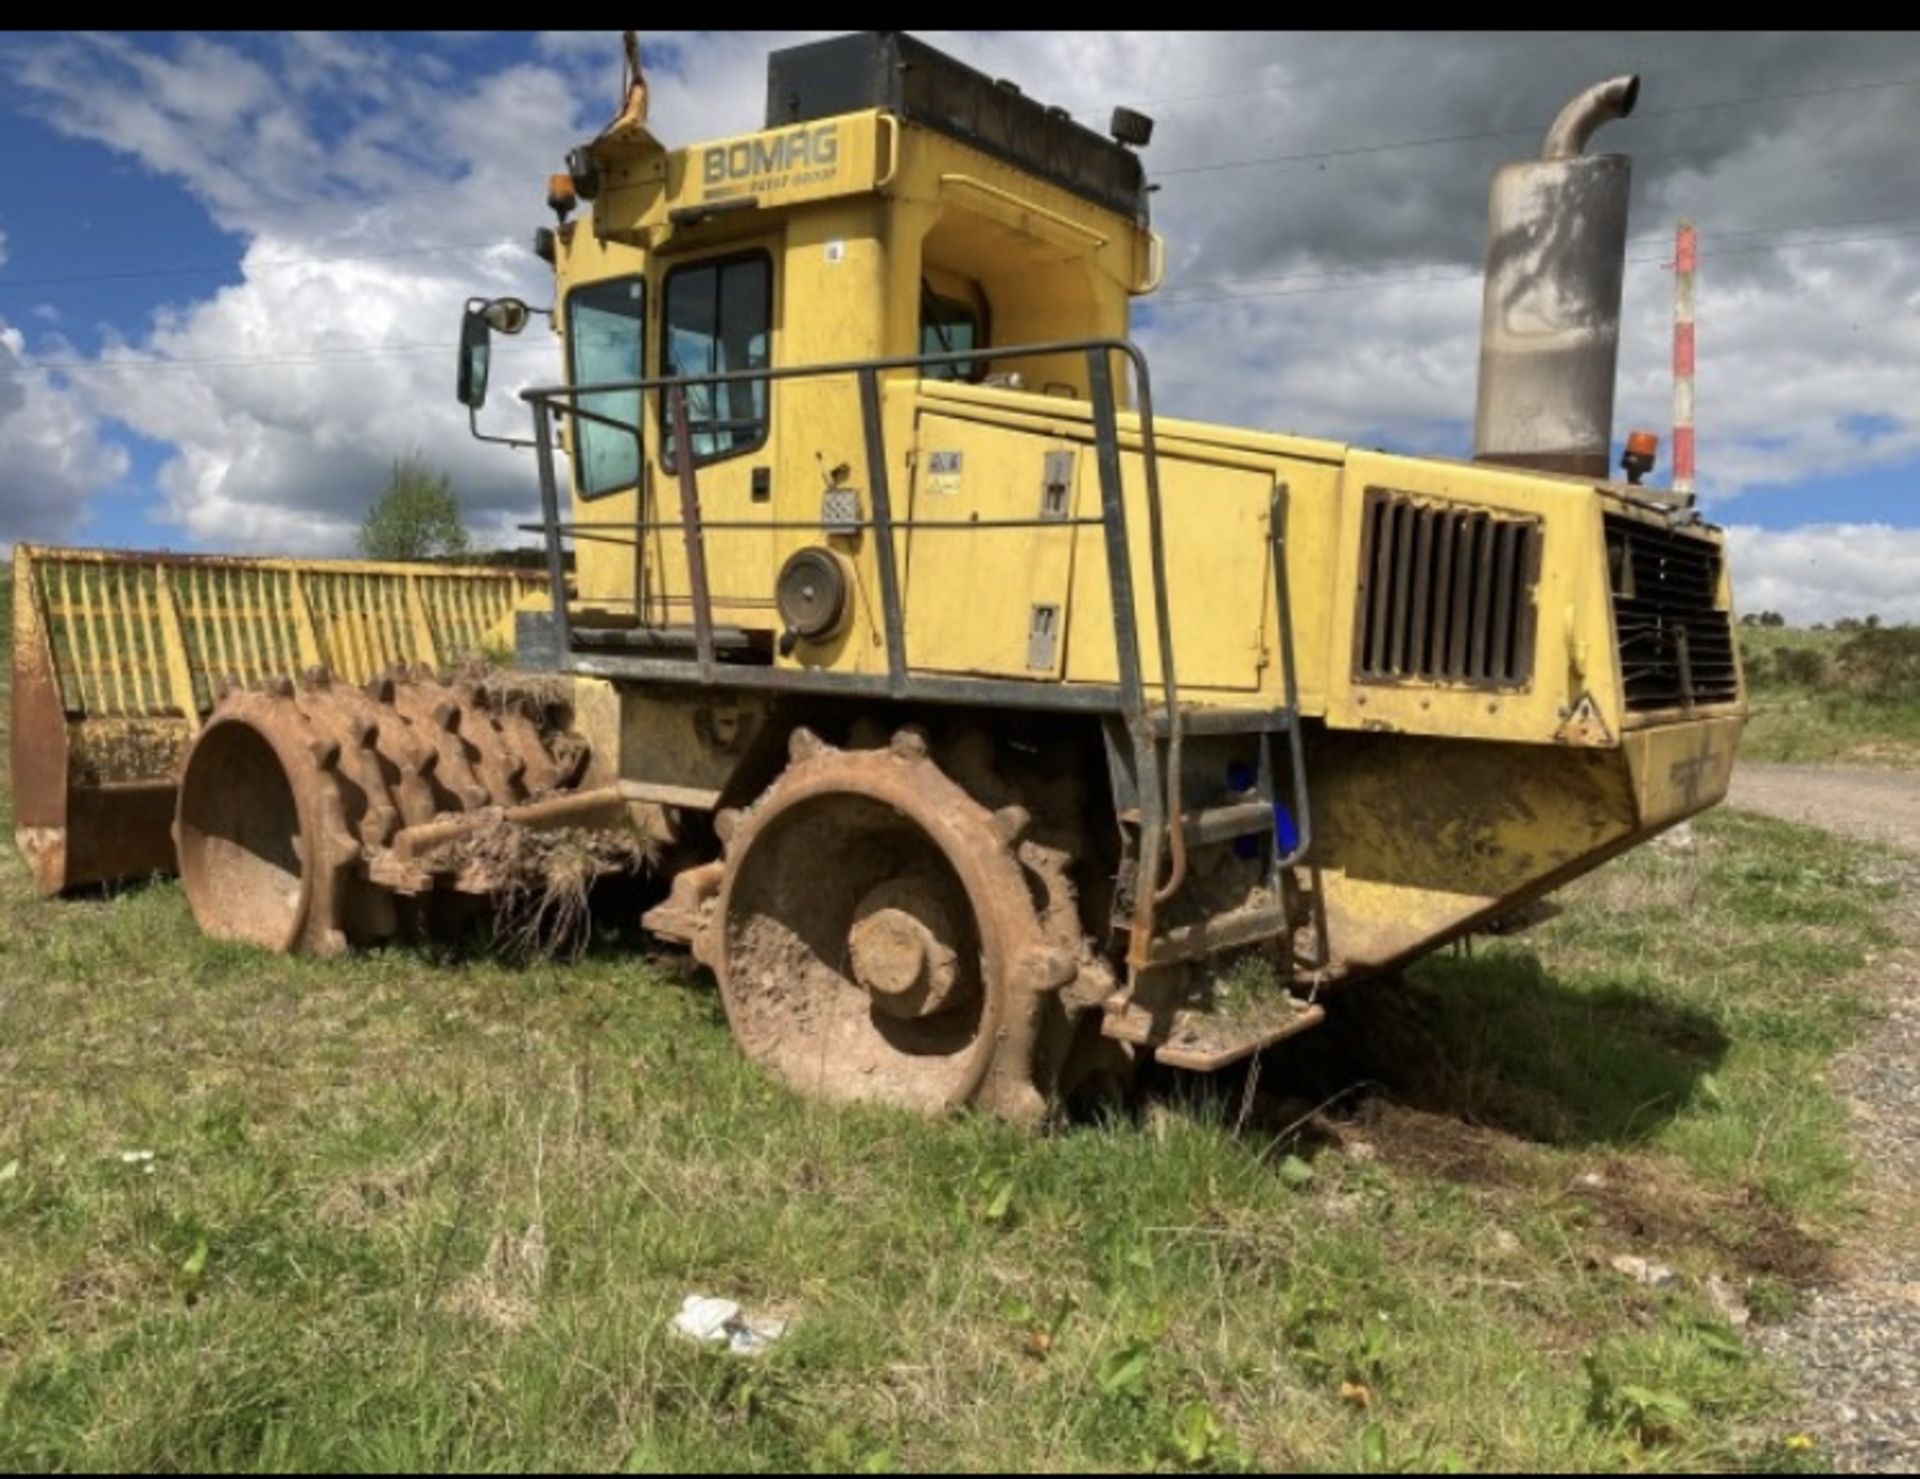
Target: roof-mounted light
{"type": "Point", "coordinates": [1135, 130]}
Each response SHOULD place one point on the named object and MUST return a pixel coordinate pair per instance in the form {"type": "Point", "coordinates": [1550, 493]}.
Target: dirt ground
{"type": "Point", "coordinates": [1858, 1342]}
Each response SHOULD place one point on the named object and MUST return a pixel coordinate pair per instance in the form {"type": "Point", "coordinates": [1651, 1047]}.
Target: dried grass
{"type": "Point", "coordinates": [505, 1291]}
{"type": "Point", "coordinates": [543, 882]}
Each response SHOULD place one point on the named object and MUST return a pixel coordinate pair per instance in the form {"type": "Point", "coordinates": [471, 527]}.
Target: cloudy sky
{"type": "Point", "coordinates": [231, 268]}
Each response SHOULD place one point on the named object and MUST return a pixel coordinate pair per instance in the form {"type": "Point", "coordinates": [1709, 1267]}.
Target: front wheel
{"type": "Point", "coordinates": [876, 938]}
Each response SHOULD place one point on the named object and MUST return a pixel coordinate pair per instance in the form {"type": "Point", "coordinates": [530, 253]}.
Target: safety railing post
{"type": "Point", "coordinates": [1146, 750]}
{"type": "Point", "coordinates": [550, 516]}
{"type": "Point", "coordinates": [695, 536]}
{"type": "Point", "coordinates": [1113, 521]}
{"type": "Point", "coordinates": [1283, 614]}
{"type": "Point", "coordinates": [885, 555]}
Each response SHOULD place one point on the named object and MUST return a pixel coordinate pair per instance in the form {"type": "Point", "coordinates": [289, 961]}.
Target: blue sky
{"type": "Point", "coordinates": [231, 266]}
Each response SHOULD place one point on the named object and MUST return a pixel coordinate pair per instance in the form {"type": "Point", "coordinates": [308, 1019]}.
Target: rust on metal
{"type": "Point", "coordinates": [876, 933]}
{"type": "Point", "coordinates": [309, 811]}
{"type": "Point", "coordinates": [603, 806]}
{"type": "Point", "coordinates": [1676, 639]}
{"type": "Point", "coordinates": [119, 656]}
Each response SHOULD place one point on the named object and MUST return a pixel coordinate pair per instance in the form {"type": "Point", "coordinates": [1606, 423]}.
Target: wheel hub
{"type": "Point", "coordinates": [901, 949]}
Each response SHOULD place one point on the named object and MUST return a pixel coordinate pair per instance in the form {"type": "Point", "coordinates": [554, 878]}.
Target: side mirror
{"type": "Point", "coordinates": [506, 315]}
{"type": "Point", "coordinates": [476, 349]}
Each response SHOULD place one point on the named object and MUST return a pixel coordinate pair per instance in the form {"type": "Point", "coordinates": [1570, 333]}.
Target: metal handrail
{"type": "Point", "coordinates": [1161, 790]}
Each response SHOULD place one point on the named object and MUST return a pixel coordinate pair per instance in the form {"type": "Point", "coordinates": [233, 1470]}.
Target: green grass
{"type": "Point", "coordinates": [333, 1261]}
{"type": "Point", "coordinates": [1798, 723]}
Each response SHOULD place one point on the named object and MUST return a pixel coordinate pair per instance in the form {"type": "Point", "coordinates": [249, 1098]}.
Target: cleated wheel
{"type": "Point", "coordinates": [876, 939]}
{"type": "Point", "coordinates": [291, 795]}
{"type": "Point", "coordinates": [247, 837]}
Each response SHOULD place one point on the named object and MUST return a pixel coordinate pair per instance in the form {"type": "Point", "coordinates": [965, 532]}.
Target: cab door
{"type": "Point", "coordinates": [716, 314]}
{"type": "Point", "coordinates": [603, 320]}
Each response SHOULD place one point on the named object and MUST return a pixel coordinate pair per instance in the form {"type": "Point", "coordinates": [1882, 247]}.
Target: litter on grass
{"type": "Point", "coordinates": [722, 1322]}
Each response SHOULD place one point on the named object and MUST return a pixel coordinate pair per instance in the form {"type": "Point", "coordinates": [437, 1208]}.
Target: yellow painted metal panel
{"type": "Point", "coordinates": [173, 644]}
{"type": "Point", "coordinates": [1574, 622]}
{"type": "Point", "coordinates": [1680, 768]}
{"type": "Point", "coordinates": [1218, 573]}
{"type": "Point", "coordinates": [975, 595]}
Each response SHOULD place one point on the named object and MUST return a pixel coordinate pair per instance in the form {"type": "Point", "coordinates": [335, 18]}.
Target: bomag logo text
{"type": "Point", "coordinates": [800, 156]}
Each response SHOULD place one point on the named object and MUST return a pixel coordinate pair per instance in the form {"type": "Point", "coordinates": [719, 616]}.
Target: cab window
{"type": "Point", "coordinates": [947, 326]}
{"type": "Point", "coordinates": [718, 317]}
{"type": "Point", "coordinates": [606, 325]}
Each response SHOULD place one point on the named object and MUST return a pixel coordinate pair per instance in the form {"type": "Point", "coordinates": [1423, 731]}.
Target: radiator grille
{"type": "Point", "coordinates": [1446, 593]}
{"type": "Point", "coordinates": [1676, 648]}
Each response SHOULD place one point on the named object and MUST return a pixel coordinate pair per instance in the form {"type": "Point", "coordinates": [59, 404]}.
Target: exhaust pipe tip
{"type": "Point", "coordinates": [1600, 104]}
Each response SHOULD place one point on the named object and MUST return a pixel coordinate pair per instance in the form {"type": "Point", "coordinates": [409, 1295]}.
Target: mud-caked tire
{"type": "Point", "coordinates": [876, 938]}
{"type": "Point", "coordinates": [291, 790]}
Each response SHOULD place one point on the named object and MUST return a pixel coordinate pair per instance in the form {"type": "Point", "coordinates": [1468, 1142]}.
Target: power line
{"type": "Point", "coordinates": [370, 353]}
{"type": "Point", "coordinates": [1394, 145]}
{"type": "Point", "coordinates": [1645, 237]}
{"type": "Point", "coordinates": [284, 263]}
{"type": "Point", "coordinates": [345, 354]}
{"type": "Point", "coordinates": [1181, 301]}
{"type": "Point", "coordinates": [1244, 92]}
{"type": "Point", "coordinates": [268, 263]}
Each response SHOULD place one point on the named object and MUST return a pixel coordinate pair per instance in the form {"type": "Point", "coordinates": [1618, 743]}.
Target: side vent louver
{"type": "Point", "coordinates": [1446, 593]}
{"type": "Point", "coordinates": [1676, 644]}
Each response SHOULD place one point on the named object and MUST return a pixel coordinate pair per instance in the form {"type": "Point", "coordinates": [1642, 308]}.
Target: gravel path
{"type": "Point", "coordinates": [1858, 1343]}
{"type": "Point", "coordinates": [1881, 804]}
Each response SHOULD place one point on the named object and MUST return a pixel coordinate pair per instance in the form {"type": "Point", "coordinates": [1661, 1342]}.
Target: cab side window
{"type": "Point", "coordinates": [948, 326]}
{"type": "Point", "coordinates": [718, 317]}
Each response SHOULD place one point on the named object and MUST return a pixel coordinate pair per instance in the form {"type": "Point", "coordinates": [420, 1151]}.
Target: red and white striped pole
{"type": "Point", "coordinates": [1684, 255]}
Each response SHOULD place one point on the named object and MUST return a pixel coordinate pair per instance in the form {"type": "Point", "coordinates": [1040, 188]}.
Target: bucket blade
{"type": "Point", "coordinates": [119, 656]}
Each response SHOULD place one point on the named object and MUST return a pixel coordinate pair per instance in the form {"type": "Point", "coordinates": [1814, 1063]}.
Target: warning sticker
{"type": "Point", "coordinates": [943, 473]}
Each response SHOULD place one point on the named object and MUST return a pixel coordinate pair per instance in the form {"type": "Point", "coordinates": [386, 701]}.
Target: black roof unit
{"type": "Point", "coordinates": [891, 70]}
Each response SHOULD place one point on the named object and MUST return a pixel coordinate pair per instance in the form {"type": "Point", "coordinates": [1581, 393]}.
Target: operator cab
{"type": "Point", "coordinates": [897, 204]}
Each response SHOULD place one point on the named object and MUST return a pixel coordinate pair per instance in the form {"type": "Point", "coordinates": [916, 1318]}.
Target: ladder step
{"type": "Point", "coordinates": [1201, 1041]}
{"type": "Point", "coordinates": [1224, 823]}
{"type": "Point", "coordinates": [1219, 823]}
{"type": "Point", "coordinates": [1222, 932]}
{"type": "Point", "coordinates": [1204, 1051]}
{"type": "Point", "coordinates": [1227, 721]}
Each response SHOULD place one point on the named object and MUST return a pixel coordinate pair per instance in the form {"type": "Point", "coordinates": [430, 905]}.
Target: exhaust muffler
{"type": "Point", "coordinates": [1550, 318]}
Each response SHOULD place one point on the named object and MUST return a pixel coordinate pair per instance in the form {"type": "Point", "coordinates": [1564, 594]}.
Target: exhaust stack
{"type": "Point", "coordinates": [1550, 319]}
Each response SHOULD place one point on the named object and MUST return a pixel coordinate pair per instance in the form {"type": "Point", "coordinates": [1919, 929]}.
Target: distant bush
{"type": "Point", "coordinates": [1879, 662]}
{"type": "Point", "coordinates": [1794, 667]}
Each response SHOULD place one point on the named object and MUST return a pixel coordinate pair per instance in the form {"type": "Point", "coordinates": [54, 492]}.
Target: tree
{"type": "Point", "coordinates": [416, 518]}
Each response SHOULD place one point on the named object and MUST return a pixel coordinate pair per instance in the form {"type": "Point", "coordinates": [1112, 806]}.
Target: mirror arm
{"type": "Point", "coordinates": [473, 425]}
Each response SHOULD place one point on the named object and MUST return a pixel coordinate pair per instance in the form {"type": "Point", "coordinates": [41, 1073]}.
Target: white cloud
{"type": "Point", "coordinates": [54, 456]}
{"type": "Point", "coordinates": [287, 395]}
{"type": "Point", "coordinates": [1822, 572]}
